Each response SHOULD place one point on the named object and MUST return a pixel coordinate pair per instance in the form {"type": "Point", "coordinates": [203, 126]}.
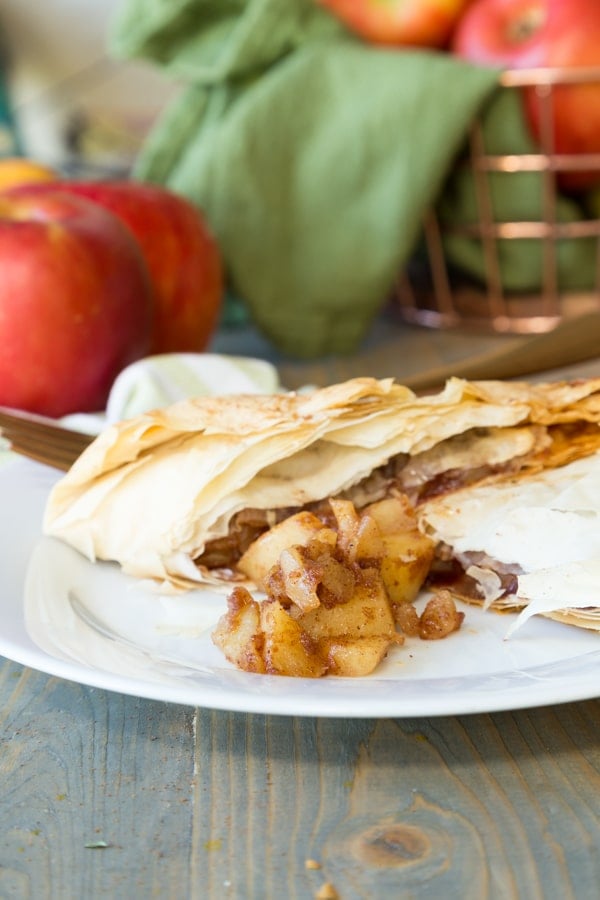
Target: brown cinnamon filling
{"type": "Point", "coordinates": [450, 574]}
{"type": "Point", "coordinates": [566, 442]}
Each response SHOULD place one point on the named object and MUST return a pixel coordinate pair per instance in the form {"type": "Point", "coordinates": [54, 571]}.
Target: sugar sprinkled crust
{"type": "Point", "coordinates": [150, 492]}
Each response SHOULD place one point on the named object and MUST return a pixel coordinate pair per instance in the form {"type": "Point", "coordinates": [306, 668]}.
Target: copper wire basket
{"type": "Point", "coordinates": [434, 295]}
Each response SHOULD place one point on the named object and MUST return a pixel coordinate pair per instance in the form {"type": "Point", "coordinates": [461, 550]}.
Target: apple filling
{"type": "Point", "coordinates": [340, 578]}
{"type": "Point", "coordinates": [467, 459]}
{"type": "Point", "coordinates": [337, 596]}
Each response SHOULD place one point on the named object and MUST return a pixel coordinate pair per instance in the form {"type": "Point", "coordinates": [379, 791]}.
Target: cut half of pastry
{"type": "Point", "coordinates": [179, 494]}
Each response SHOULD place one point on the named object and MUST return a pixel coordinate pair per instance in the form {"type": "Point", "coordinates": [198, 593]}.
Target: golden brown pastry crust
{"type": "Point", "coordinates": [150, 492]}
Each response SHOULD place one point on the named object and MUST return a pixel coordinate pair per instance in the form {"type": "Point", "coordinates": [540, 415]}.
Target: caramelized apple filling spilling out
{"type": "Point", "coordinates": [340, 576]}
{"type": "Point", "coordinates": [469, 458]}
{"type": "Point", "coordinates": [338, 595]}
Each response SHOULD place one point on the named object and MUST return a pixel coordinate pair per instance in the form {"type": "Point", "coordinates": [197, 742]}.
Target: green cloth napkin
{"type": "Point", "coordinates": [312, 155]}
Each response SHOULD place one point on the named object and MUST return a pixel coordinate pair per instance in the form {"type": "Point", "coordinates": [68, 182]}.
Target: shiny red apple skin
{"type": "Point", "coordinates": [524, 34]}
{"type": "Point", "coordinates": [75, 303]}
{"type": "Point", "coordinates": [181, 253]}
{"type": "Point", "coordinates": [418, 23]}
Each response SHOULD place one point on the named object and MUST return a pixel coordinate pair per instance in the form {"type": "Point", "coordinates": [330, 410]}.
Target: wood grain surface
{"type": "Point", "coordinates": [204, 804]}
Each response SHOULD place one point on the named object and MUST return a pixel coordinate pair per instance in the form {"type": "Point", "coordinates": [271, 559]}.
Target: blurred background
{"type": "Point", "coordinates": [456, 212]}
{"type": "Point", "coordinates": [72, 106]}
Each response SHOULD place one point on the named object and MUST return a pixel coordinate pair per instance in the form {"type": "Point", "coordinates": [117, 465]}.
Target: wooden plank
{"type": "Point", "coordinates": [206, 804]}
{"type": "Point", "coordinates": [80, 766]}
{"type": "Point", "coordinates": [479, 807]}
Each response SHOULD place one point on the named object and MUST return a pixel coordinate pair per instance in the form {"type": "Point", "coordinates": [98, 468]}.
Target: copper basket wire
{"type": "Point", "coordinates": [439, 300]}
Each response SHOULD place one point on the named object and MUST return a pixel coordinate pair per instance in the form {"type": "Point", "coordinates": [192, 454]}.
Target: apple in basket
{"type": "Point", "coordinates": [75, 303]}
{"type": "Point", "coordinates": [419, 23]}
{"type": "Point", "coordinates": [181, 254]}
{"type": "Point", "coordinates": [531, 34]}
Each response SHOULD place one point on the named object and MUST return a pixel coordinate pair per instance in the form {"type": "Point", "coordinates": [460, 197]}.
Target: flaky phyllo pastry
{"type": "Point", "coordinates": [504, 477]}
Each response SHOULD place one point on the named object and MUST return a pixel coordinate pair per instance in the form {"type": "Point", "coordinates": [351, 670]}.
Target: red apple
{"type": "Point", "coordinates": [530, 34]}
{"type": "Point", "coordinates": [75, 303]}
{"type": "Point", "coordinates": [420, 23]}
{"type": "Point", "coordinates": [181, 254]}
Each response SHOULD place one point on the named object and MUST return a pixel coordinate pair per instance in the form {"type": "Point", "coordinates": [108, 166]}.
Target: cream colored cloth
{"type": "Point", "coordinates": [161, 380]}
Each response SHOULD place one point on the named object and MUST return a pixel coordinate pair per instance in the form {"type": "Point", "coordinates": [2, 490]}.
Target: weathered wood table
{"type": "Point", "coordinates": [107, 795]}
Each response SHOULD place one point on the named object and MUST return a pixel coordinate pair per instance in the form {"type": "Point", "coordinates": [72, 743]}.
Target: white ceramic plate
{"type": "Point", "coordinates": [89, 623]}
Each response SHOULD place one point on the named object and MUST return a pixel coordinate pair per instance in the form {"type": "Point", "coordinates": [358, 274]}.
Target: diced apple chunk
{"type": "Point", "coordinates": [288, 650]}
{"type": "Point", "coordinates": [405, 565]}
{"type": "Point", "coordinates": [352, 657]}
{"type": "Point", "coordinates": [264, 552]}
{"type": "Point", "coordinates": [238, 633]}
{"type": "Point", "coordinates": [408, 553]}
{"type": "Point", "coordinates": [366, 614]}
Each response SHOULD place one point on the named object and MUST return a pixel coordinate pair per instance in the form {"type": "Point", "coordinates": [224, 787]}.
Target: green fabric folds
{"type": "Point", "coordinates": [313, 156]}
